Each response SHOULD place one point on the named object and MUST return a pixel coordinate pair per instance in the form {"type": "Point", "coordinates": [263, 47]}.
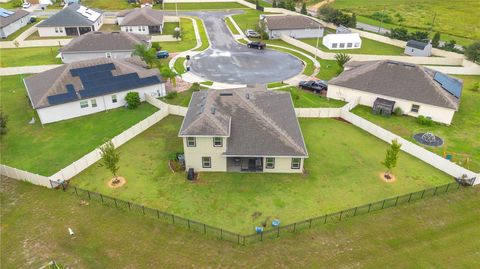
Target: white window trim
{"type": "Point", "coordinates": [209, 162]}
{"type": "Point", "coordinates": [194, 141]}
{"type": "Point", "coordinates": [267, 163]}
{"type": "Point", "coordinates": [221, 142]}
{"type": "Point", "coordinates": [84, 104]}
{"type": "Point", "coordinates": [299, 163]}
{"type": "Point", "coordinates": [114, 98]}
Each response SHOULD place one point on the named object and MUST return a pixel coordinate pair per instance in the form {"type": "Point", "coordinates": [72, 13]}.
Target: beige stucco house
{"type": "Point", "coordinates": [242, 130]}
{"type": "Point", "coordinates": [416, 90]}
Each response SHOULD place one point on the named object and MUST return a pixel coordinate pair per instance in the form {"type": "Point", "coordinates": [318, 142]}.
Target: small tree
{"type": "Point", "coordinates": [304, 9]}
{"type": "Point", "coordinates": [274, 3]}
{"type": "Point", "coordinates": [169, 74]}
{"type": "Point", "coordinates": [148, 55]}
{"type": "Point", "coordinates": [133, 100]}
{"type": "Point", "coordinates": [391, 157]}
{"type": "Point", "coordinates": [176, 33]}
{"type": "Point", "coordinates": [473, 52]}
{"type": "Point", "coordinates": [342, 58]}
{"type": "Point", "coordinates": [3, 122]}
{"type": "Point", "coordinates": [110, 159]}
{"type": "Point", "coordinates": [436, 40]}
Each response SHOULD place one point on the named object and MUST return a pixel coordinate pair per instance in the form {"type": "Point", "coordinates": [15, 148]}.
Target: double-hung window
{"type": "Point", "coordinates": [94, 102]}
{"type": "Point", "coordinates": [415, 108]}
{"type": "Point", "coordinates": [218, 142]}
{"type": "Point", "coordinates": [269, 163]}
{"type": "Point", "coordinates": [296, 163]}
{"type": "Point", "coordinates": [191, 142]}
{"type": "Point", "coordinates": [84, 104]}
{"type": "Point", "coordinates": [206, 162]}
{"type": "Point", "coordinates": [114, 98]}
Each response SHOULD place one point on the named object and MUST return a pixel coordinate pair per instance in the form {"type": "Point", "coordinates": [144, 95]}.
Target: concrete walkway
{"type": "Point", "coordinates": [17, 70]}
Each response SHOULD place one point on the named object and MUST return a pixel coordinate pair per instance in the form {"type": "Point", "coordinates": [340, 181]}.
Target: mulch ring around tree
{"type": "Point", "coordinates": [388, 180]}
{"type": "Point", "coordinates": [121, 181]}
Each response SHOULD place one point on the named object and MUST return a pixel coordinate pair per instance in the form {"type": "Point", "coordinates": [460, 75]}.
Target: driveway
{"type": "Point", "coordinates": [228, 61]}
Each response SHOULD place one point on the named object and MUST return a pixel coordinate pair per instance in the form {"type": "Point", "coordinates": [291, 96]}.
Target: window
{"type": "Point", "coordinates": [191, 142]}
{"type": "Point", "coordinates": [206, 162]}
{"type": "Point", "coordinates": [108, 54]}
{"type": "Point", "coordinates": [269, 163]}
{"type": "Point", "coordinates": [296, 163]}
{"type": "Point", "coordinates": [349, 45]}
{"type": "Point", "coordinates": [83, 104]}
{"type": "Point", "coordinates": [334, 45]}
{"type": "Point", "coordinates": [114, 98]}
{"type": "Point", "coordinates": [415, 108]}
{"type": "Point", "coordinates": [56, 30]}
{"type": "Point", "coordinates": [342, 45]}
{"type": "Point", "coordinates": [94, 102]}
{"type": "Point", "coordinates": [218, 142]}
{"type": "Point", "coordinates": [357, 45]}
{"type": "Point", "coordinates": [61, 30]}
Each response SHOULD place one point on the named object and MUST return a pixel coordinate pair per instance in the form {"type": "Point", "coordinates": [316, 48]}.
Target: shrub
{"type": "Point", "coordinates": [473, 52]}
{"type": "Point", "coordinates": [475, 87]}
{"type": "Point", "coordinates": [156, 46]}
{"type": "Point", "coordinates": [176, 33]}
{"type": "Point", "coordinates": [133, 100]}
{"type": "Point", "coordinates": [171, 95]}
{"type": "Point", "coordinates": [379, 16]}
{"type": "Point", "coordinates": [422, 120]}
{"type": "Point", "coordinates": [398, 111]}
{"type": "Point", "coordinates": [436, 40]}
{"type": "Point", "coordinates": [3, 122]}
{"type": "Point", "coordinates": [17, 3]}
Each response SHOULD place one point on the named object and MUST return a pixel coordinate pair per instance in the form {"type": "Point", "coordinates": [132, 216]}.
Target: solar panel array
{"type": "Point", "coordinates": [449, 84]}
{"type": "Point", "coordinates": [5, 13]}
{"type": "Point", "coordinates": [98, 80]}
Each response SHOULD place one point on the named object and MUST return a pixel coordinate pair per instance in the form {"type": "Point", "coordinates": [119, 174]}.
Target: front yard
{"type": "Point", "coordinates": [188, 40]}
{"type": "Point", "coordinates": [342, 171]}
{"type": "Point", "coordinates": [461, 137]}
{"type": "Point", "coordinates": [29, 56]}
{"type": "Point", "coordinates": [45, 150]}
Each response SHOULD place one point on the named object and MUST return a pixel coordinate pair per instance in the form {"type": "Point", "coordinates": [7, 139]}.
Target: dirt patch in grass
{"type": "Point", "coordinates": [392, 178]}
{"type": "Point", "coordinates": [120, 182]}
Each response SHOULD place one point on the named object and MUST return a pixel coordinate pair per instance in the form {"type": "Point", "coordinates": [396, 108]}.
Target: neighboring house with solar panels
{"type": "Point", "coordinates": [295, 26]}
{"type": "Point", "coordinates": [73, 20]}
{"type": "Point", "coordinates": [11, 21]}
{"type": "Point", "coordinates": [415, 89]}
{"type": "Point", "coordinates": [417, 48]}
{"type": "Point", "coordinates": [143, 20]}
{"type": "Point", "coordinates": [91, 86]}
{"type": "Point", "coordinates": [117, 45]}
{"type": "Point", "coordinates": [242, 130]}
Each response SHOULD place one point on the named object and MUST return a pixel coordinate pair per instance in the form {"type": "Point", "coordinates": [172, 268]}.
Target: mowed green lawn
{"type": "Point", "coordinates": [462, 136]}
{"type": "Point", "coordinates": [342, 172]}
{"type": "Point", "coordinates": [369, 46]}
{"type": "Point", "coordinates": [29, 56]}
{"type": "Point", "coordinates": [305, 99]}
{"type": "Point", "coordinates": [45, 150]}
{"type": "Point", "coordinates": [201, 6]}
{"type": "Point", "coordinates": [458, 18]}
{"type": "Point", "coordinates": [108, 4]}
{"type": "Point", "coordinates": [188, 40]}
{"type": "Point", "coordinates": [437, 232]}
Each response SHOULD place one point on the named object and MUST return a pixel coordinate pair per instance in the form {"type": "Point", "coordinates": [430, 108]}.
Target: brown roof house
{"type": "Point", "coordinates": [296, 26]}
{"type": "Point", "coordinates": [86, 87]}
{"type": "Point", "coordinates": [242, 130]}
{"type": "Point", "coordinates": [143, 20]}
{"type": "Point", "coordinates": [117, 45]}
{"type": "Point", "coordinates": [11, 21]}
{"type": "Point", "coordinates": [415, 89]}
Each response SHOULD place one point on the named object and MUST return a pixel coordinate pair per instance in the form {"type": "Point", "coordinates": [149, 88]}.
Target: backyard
{"type": "Point", "coordinates": [201, 6]}
{"type": "Point", "coordinates": [304, 99]}
{"type": "Point", "coordinates": [29, 56]}
{"type": "Point", "coordinates": [35, 222]}
{"type": "Point", "coordinates": [369, 46]}
{"type": "Point", "coordinates": [420, 14]}
{"type": "Point", "coordinates": [342, 171]}
{"type": "Point", "coordinates": [45, 150]}
{"type": "Point", "coordinates": [461, 137]}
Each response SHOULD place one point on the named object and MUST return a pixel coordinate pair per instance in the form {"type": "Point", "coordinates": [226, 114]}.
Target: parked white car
{"type": "Point", "coordinates": [26, 5]}
{"type": "Point", "coordinates": [252, 33]}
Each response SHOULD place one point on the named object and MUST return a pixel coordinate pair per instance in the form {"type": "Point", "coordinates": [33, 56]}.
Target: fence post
{"type": "Point", "coordinates": [244, 240]}
{"type": "Point", "coordinates": [129, 205]}
{"type": "Point", "coordinates": [261, 236]}
{"type": "Point", "coordinates": [294, 227]}
{"type": "Point", "coordinates": [341, 213]}
{"type": "Point", "coordinates": [448, 186]}
{"type": "Point", "coordinates": [383, 204]}
{"type": "Point", "coordinates": [143, 209]}
{"type": "Point", "coordinates": [88, 192]}
{"type": "Point", "coordinates": [75, 188]}
{"type": "Point", "coordinates": [221, 233]}
{"type": "Point", "coordinates": [188, 221]}
{"type": "Point", "coordinates": [326, 215]}
{"type": "Point", "coordinates": [423, 192]}
{"type": "Point", "coordinates": [310, 224]}
{"type": "Point", "coordinates": [115, 200]}
{"type": "Point", "coordinates": [355, 212]}
{"type": "Point", "coordinates": [458, 185]}
{"type": "Point", "coordinates": [101, 197]}
{"type": "Point", "coordinates": [369, 206]}
{"type": "Point", "coordinates": [410, 197]}
{"type": "Point", "coordinates": [204, 228]}
{"type": "Point", "coordinates": [158, 214]}
{"type": "Point", "coordinates": [278, 231]}
{"type": "Point", "coordinates": [396, 201]}
{"type": "Point", "coordinates": [238, 239]}
{"type": "Point", "coordinates": [435, 192]}
{"type": "Point", "coordinates": [173, 219]}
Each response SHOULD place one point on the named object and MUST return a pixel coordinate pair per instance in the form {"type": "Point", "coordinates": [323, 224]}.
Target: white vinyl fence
{"type": "Point", "coordinates": [317, 112]}
{"type": "Point", "coordinates": [25, 176]}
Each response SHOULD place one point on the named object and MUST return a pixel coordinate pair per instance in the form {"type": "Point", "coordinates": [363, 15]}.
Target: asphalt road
{"type": "Point", "coordinates": [230, 62]}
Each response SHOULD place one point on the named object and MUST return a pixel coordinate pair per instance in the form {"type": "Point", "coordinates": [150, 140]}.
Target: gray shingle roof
{"type": "Point", "coordinates": [396, 79]}
{"type": "Point", "coordinates": [55, 81]}
{"type": "Point", "coordinates": [67, 17]}
{"type": "Point", "coordinates": [291, 22]}
{"type": "Point", "coordinates": [105, 41]}
{"type": "Point", "coordinates": [145, 16]}
{"type": "Point", "coordinates": [416, 44]}
{"type": "Point", "coordinates": [257, 122]}
{"type": "Point", "coordinates": [19, 13]}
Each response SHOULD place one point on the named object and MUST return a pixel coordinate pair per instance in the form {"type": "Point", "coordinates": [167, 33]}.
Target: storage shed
{"type": "Point", "coordinates": [342, 41]}
{"type": "Point", "coordinates": [417, 48]}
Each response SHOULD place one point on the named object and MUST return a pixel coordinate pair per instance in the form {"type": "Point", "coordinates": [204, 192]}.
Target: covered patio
{"type": "Point", "coordinates": [244, 164]}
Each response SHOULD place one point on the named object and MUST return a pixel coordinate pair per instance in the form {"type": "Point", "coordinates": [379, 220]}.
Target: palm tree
{"type": "Point", "coordinates": [148, 55]}
{"type": "Point", "coordinates": [169, 74]}
{"type": "Point", "coordinates": [342, 58]}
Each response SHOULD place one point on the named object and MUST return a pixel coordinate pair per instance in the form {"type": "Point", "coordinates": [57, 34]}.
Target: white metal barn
{"type": "Point", "coordinates": [342, 41]}
{"type": "Point", "coordinates": [91, 86]}
{"type": "Point", "coordinates": [11, 21]}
